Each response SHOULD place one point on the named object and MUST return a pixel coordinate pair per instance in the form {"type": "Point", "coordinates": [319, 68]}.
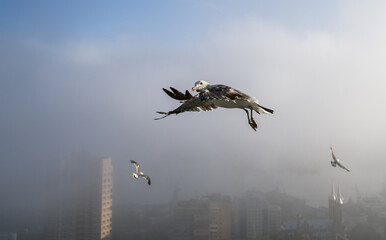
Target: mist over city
{"type": "Point", "coordinates": [81, 83]}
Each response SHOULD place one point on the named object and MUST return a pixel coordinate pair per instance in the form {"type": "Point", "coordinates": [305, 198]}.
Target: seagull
{"type": "Point", "coordinates": [139, 173]}
{"type": "Point", "coordinates": [213, 96]}
{"type": "Point", "coordinates": [336, 161]}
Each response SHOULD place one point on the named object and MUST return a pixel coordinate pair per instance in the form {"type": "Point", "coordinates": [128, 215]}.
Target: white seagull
{"type": "Point", "coordinates": [336, 161]}
{"type": "Point", "coordinates": [139, 173]}
{"type": "Point", "coordinates": [213, 96]}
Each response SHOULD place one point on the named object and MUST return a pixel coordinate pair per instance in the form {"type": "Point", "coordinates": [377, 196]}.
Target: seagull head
{"type": "Point", "coordinates": [200, 85]}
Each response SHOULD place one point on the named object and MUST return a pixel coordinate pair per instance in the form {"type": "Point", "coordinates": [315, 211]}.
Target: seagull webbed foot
{"type": "Point", "coordinates": [251, 121]}
{"type": "Point", "coordinates": [253, 124]}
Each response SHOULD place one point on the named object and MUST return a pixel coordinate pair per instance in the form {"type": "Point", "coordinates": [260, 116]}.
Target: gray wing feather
{"type": "Point", "coordinates": [175, 94]}
{"type": "Point", "coordinates": [190, 103]}
{"type": "Point", "coordinates": [222, 92]}
{"type": "Point", "coordinates": [147, 178]}
{"type": "Point", "coordinates": [340, 165]}
{"type": "Point", "coordinates": [333, 155]}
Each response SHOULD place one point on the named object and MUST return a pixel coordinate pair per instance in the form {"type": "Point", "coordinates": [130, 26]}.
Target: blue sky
{"type": "Point", "coordinates": [154, 21]}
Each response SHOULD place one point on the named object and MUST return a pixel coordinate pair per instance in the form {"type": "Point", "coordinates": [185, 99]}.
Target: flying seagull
{"type": "Point", "coordinates": [213, 96]}
{"type": "Point", "coordinates": [336, 161]}
{"type": "Point", "coordinates": [139, 173]}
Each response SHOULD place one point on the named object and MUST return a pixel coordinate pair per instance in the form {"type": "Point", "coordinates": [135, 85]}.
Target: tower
{"type": "Point", "coordinates": [84, 200]}
{"type": "Point", "coordinates": [254, 215]}
{"type": "Point", "coordinates": [335, 206]}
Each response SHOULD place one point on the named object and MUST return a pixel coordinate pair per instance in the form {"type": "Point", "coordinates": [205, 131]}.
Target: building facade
{"type": "Point", "coordinates": [335, 207]}
{"type": "Point", "coordinates": [83, 205]}
{"type": "Point", "coordinates": [8, 236]}
{"type": "Point", "coordinates": [207, 218]}
{"type": "Point", "coordinates": [254, 217]}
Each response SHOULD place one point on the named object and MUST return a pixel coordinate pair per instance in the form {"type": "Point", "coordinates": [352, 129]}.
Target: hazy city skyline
{"type": "Point", "coordinates": [88, 77]}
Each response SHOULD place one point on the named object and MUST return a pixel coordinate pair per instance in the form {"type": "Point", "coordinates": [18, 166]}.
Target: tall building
{"type": "Point", "coordinates": [271, 219]}
{"type": "Point", "coordinates": [8, 236]}
{"type": "Point", "coordinates": [190, 220]}
{"type": "Point", "coordinates": [208, 218]}
{"type": "Point", "coordinates": [83, 201]}
{"type": "Point", "coordinates": [219, 217]}
{"type": "Point", "coordinates": [254, 215]}
{"type": "Point", "coordinates": [335, 207]}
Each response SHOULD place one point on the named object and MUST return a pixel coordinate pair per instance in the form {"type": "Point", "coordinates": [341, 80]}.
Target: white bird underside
{"type": "Point", "coordinates": [213, 96]}
{"type": "Point", "coordinates": [138, 172]}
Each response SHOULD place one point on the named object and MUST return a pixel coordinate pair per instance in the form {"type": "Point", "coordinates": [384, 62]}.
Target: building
{"type": "Point", "coordinates": [190, 220]}
{"type": "Point", "coordinates": [327, 228]}
{"type": "Point", "coordinates": [208, 218]}
{"type": "Point", "coordinates": [300, 228]}
{"type": "Point", "coordinates": [254, 216]}
{"type": "Point", "coordinates": [8, 236]}
{"type": "Point", "coordinates": [83, 209]}
{"type": "Point", "coordinates": [335, 207]}
{"type": "Point", "coordinates": [219, 217]}
{"type": "Point", "coordinates": [271, 219]}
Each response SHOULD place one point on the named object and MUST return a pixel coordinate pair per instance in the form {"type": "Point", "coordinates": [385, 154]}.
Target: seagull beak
{"type": "Point", "coordinates": [193, 88]}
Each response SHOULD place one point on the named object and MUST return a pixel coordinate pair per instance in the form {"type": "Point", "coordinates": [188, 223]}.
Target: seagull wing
{"type": "Point", "coordinates": [136, 165]}
{"type": "Point", "coordinates": [340, 165]}
{"type": "Point", "coordinates": [177, 94]}
{"type": "Point", "coordinates": [190, 103]}
{"type": "Point", "coordinates": [333, 155]}
{"type": "Point", "coordinates": [222, 92]}
{"type": "Point", "coordinates": [147, 178]}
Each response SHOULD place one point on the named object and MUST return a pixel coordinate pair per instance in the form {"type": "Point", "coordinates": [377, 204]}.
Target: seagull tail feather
{"type": "Point", "coordinates": [260, 109]}
{"type": "Point", "coordinates": [267, 109]}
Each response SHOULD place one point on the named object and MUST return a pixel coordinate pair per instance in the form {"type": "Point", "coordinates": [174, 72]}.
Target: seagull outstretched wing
{"type": "Point", "coordinates": [340, 165]}
{"type": "Point", "coordinates": [333, 155]}
{"type": "Point", "coordinates": [136, 165]}
{"type": "Point", "coordinates": [189, 103]}
{"type": "Point", "coordinates": [336, 161]}
{"type": "Point", "coordinates": [147, 178]}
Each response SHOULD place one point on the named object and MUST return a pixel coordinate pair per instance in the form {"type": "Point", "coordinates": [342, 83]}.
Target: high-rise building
{"type": "Point", "coordinates": [335, 206]}
{"type": "Point", "coordinates": [106, 199]}
{"type": "Point", "coordinates": [219, 217]}
{"type": "Point", "coordinates": [208, 218]}
{"type": "Point", "coordinates": [83, 201]}
{"type": "Point", "coordinates": [190, 220]}
{"type": "Point", "coordinates": [271, 219]}
{"type": "Point", "coordinates": [8, 236]}
{"type": "Point", "coordinates": [254, 215]}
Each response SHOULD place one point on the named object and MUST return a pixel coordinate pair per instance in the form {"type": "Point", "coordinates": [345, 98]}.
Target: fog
{"type": "Point", "coordinates": [100, 97]}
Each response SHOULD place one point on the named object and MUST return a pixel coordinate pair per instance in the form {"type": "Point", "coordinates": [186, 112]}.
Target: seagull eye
{"type": "Point", "coordinates": [200, 83]}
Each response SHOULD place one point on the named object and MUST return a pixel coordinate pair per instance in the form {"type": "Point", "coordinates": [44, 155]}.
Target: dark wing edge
{"type": "Point", "coordinates": [148, 179]}
{"type": "Point", "coordinates": [190, 104]}
{"type": "Point", "coordinates": [175, 94]}
{"type": "Point", "coordinates": [136, 165]}
{"type": "Point", "coordinates": [340, 165]}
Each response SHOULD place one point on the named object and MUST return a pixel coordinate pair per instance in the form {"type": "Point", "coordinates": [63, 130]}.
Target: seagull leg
{"type": "Point", "coordinates": [253, 120]}
{"type": "Point", "coordinates": [251, 123]}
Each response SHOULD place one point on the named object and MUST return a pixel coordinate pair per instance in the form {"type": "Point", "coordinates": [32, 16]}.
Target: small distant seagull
{"type": "Point", "coordinates": [139, 173]}
{"type": "Point", "coordinates": [213, 96]}
{"type": "Point", "coordinates": [336, 161]}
